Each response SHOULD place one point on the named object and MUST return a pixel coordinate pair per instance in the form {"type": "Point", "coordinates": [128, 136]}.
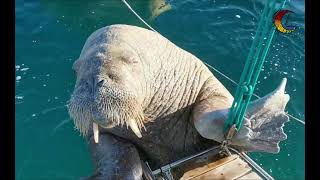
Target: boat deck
{"type": "Point", "coordinates": [231, 167]}
{"type": "Point", "coordinates": [211, 164]}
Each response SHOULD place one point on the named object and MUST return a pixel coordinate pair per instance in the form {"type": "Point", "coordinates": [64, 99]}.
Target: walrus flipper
{"type": "Point", "coordinates": [262, 129]}
{"type": "Point", "coordinates": [264, 121]}
{"type": "Point", "coordinates": [114, 158]}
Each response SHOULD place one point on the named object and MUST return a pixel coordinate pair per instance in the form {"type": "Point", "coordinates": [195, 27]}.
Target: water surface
{"type": "Point", "coordinates": [49, 38]}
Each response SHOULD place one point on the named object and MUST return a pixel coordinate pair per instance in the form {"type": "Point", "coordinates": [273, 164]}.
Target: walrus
{"type": "Point", "coordinates": [138, 97]}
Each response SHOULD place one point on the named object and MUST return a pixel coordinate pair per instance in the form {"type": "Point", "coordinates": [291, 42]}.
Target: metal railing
{"type": "Point", "coordinates": [164, 172]}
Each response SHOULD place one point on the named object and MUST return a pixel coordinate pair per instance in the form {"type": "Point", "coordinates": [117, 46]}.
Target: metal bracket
{"type": "Point", "coordinates": [224, 148]}
{"type": "Point", "coordinates": [147, 172]}
{"type": "Point", "coordinates": [228, 137]}
{"type": "Point", "coordinates": [166, 171]}
{"type": "Point", "coordinates": [231, 132]}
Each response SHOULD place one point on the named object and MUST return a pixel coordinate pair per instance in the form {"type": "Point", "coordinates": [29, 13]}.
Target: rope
{"type": "Point", "coordinates": [210, 66]}
{"type": "Point", "coordinates": [128, 5]}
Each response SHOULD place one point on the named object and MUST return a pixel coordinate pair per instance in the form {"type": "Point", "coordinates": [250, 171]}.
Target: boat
{"type": "Point", "coordinates": [213, 163]}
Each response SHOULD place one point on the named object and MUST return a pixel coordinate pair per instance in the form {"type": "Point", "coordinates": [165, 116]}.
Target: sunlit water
{"type": "Point", "coordinates": [49, 38]}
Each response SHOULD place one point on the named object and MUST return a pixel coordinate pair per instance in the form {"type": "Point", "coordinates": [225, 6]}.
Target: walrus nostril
{"type": "Point", "coordinates": [100, 83]}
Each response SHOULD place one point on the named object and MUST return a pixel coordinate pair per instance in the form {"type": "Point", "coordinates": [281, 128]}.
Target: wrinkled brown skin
{"type": "Point", "coordinates": [184, 105]}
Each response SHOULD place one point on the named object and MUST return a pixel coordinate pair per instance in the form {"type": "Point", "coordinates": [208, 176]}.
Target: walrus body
{"type": "Point", "coordinates": [132, 77]}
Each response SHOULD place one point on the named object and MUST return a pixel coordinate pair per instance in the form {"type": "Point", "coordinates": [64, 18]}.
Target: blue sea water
{"type": "Point", "coordinates": [50, 35]}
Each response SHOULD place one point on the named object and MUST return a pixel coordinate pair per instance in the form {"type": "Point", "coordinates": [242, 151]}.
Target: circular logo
{"type": "Point", "coordinates": [278, 18]}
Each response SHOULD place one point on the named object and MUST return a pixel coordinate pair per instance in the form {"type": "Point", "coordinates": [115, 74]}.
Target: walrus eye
{"type": "Point", "coordinates": [132, 60]}
{"type": "Point", "coordinates": [129, 58]}
{"type": "Point", "coordinates": [113, 77]}
{"type": "Point", "coordinates": [100, 83]}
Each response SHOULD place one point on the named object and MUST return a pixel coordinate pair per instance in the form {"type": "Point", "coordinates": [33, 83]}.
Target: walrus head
{"type": "Point", "coordinates": [108, 90]}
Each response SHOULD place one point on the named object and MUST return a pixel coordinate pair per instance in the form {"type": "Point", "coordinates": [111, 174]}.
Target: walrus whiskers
{"type": "Point", "coordinates": [80, 113]}
{"type": "Point", "coordinates": [118, 108]}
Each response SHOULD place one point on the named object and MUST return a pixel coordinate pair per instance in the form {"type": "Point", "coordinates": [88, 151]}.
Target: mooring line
{"type": "Point", "coordinates": [130, 8]}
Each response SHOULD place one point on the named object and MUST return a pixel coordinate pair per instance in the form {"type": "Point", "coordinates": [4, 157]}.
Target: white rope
{"type": "Point", "coordinates": [128, 5]}
{"type": "Point", "coordinates": [210, 66]}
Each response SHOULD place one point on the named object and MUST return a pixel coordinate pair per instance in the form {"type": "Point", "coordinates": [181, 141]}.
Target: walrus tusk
{"type": "Point", "coordinates": [96, 132]}
{"type": "Point", "coordinates": [134, 127]}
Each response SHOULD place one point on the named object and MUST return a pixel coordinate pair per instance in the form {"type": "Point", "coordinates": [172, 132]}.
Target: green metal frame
{"type": "Point", "coordinates": [253, 66]}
